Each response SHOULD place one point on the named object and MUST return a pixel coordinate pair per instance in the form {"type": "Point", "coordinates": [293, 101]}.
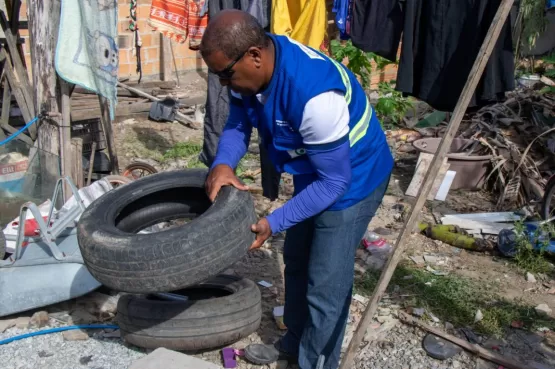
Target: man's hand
{"type": "Point", "coordinates": [263, 232]}
{"type": "Point", "coordinates": [222, 175]}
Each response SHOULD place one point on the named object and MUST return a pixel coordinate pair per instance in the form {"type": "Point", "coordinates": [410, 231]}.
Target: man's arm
{"type": "Point", "coordinates": [235, 138]}
{"type": "Point", "coordinates": [325, 131]}
{"type": "Point", "coordinates": [233, 145]}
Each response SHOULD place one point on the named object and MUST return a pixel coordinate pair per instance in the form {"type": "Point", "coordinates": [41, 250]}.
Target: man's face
{"type": "Point", "coordinates": [243, 74]}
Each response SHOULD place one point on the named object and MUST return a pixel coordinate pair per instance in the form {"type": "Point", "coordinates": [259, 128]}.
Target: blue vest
{"type": "Point", "coordinates": [301, 73]}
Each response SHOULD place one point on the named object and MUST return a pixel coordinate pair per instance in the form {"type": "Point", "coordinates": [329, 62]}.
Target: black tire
{"type": "Point", "coordinates": [548, 196]}
{"type": "Point", "coordinates": [118, 257]}
{"type": "Point", "coordinates": [196, 324]}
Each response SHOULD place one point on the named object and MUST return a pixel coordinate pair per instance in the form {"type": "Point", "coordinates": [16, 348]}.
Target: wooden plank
{"type": "Point", "coordinates": [121, 111]}
{"type": "Point", "coordinates": [44, 21]}
{"type": "Point", "coordinates": [6, 102]}
{"type": "Point", "coordinates": [65, 144]}
{"type": "Point", "coordinates": [165, 59]}
{"type": "Point", "coordinates": [495, 217]}
{"type": "Point", "coordinates": [22, 137]}
{"type": "Point", "coordinates": [509, 363]}
{"type": "Point", "coordinates": [20, 70]}
{"type": "Point", "coordinates": [15, 87]}
{"type": "Point", "coordinates": [76, 169]}
{"type": "Point", "coordinates": [424, 160]}
{"type": "Point", "coordinates": [411, 222]}
{"type": "Point", "coordinates": [108, 133]}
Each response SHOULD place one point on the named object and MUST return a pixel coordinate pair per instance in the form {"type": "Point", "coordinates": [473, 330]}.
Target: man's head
{"type": "Point", "coordinates": [236, 48]}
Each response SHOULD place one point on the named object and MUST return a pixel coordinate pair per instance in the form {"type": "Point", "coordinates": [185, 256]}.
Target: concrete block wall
{"type": "Point", "coordinates": [186, 60]}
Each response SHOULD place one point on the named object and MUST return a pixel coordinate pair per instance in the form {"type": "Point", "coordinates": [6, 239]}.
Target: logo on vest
{"type": "Point", "coordinates": [284, 124]}
{"type": "Point", "coordinates": [296, 153]}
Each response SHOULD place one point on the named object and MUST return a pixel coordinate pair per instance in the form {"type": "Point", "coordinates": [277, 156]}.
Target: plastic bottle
{"type": "Point", "coordinates": [375, 244]}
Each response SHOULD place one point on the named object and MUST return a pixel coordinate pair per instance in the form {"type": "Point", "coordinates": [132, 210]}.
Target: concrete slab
{"type": "Point", "coordinates": [168, 359]}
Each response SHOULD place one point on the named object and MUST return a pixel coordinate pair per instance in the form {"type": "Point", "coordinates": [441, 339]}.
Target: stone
{"type": "Point", "coordinates": [479, 316]}
{"type": "Point", "coordinates": [168, 359]}
{"type": "Point", "coordinates": [418, 260]}
{"type": "Point", "coordinates": [361, 254]}
{"type": "Point", "coordinates": [382, 319]}
{"type": "Point", "coordinates": [384, 311]}
{"type": "Point", "coordinates": [431, 259]}
{"type": "Point", "coordinates": [6, 324]}
{"type": "Point", "coordinates": [84, 360]}
{"type": "Point", "coordinates": [75, 335]}
{"type": "Point", "coordinates": [22, 322]}
{"type": "Point", "coordinates": [530, 278]}
{"type": "Point", "coordinates": [543, 309]}
{"type": "Point", "coordinates": [380, 332]}
{"type": "Point", "coordinates": [40, 319]}
{"type": "Point", "coordinates": [282, 364]}
{"type": "Point", "coordinates": [383, 231]}
{"type": "Point", "coordinates": [438, 348]}
{"type": "Point", "coordinates": [418, 311]}
{"type": "Point", "coordinates": [455, 364]}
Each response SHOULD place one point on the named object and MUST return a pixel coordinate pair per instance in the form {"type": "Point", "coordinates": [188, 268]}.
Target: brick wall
{"type": "Point", "coordinates": [185, 59]}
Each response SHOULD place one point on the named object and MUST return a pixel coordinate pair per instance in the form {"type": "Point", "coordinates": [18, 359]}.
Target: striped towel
{"type": "Point", "coordinates": [179, 19]}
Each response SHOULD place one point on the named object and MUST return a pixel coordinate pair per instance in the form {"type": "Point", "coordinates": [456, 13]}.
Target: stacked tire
{"type": "Point", "coordinates": [186, 260]}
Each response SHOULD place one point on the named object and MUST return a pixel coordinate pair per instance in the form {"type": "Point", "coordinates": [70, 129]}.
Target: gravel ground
{"type": "Point", "coordinates": [52, 351]}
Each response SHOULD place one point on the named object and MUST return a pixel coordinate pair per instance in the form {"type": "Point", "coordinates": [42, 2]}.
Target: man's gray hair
{"type": "Point", "coordinates": [233, 38]}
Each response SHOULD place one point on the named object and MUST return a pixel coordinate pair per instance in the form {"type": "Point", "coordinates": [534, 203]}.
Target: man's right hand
{"type": "Point", "coordinates": [222, 175]}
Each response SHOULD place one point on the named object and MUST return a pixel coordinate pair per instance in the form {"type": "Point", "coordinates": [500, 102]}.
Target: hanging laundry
{"type": "Point", "coordinates": [302, 20]}
{"type": "Point", "coordinates": [343, 11]}
{"type": "Point", "coordinates": [87, 52]}
{"type": "Point", "coordinates": [216, 6]}
{"type": "Point", "coordinates": [377, 26]}
{"type": "Point", "coordinates": [179, 20]}
{"type": "Point", "coordinates": [441, 40]}
{"type": "Point", "coordinates": [259, 10]}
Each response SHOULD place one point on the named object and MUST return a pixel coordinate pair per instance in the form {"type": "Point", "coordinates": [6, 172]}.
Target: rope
{"type": "Point", "coordinates": [14, 135]}
{"type": "Point", "coordinates": [55, 330]}
{"type": "Point", "coordinates": [137, 38]}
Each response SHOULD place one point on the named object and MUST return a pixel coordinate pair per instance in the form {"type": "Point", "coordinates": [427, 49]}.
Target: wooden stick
{"type": "Point", "coordinates": [165, 60]}
{"type": "Point", "coordinates": [108, 133]}
{"type": "Point", "coordinates": [91, 163]}
{"type": "Point", "coordinates": [180, 117]}
{"type": "Point", "coordinates": [411, 222]}
{"type": "Point", "coordinates": [475, 349]}
{"type": "Point", "coordinates": [65, 136]}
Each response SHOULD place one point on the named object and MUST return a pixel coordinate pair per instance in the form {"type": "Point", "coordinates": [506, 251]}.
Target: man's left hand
{"type": "Point", "coordinates": [263, 232]}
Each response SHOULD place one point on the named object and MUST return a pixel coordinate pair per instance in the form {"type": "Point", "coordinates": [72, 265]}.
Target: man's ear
{"type": "Point", "coordinates": [256, 54]}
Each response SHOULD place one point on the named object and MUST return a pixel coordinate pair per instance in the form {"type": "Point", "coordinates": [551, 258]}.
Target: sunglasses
{"type": "Point", "coordinates": [228, 71]}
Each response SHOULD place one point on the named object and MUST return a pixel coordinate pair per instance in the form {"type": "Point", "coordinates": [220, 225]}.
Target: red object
{"type": "Point", "coordinates": [31, 227]}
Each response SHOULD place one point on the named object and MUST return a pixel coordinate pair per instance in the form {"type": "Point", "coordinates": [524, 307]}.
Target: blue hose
{"type": "Point", "coordinates": [55, 330]}
{"type": "Point", "coordinates": [14, 135]}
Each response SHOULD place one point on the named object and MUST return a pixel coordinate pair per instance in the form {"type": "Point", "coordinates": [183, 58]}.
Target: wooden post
{"type": "Point", "coordinates": [468, 90]}
{"type": "Point", "coordinates": [66, 156]}
{"type": "Point", "coordinates": [76, 169]}
{"type": "Point", "coordinates": [44, 20]}
{"type": "Point", "coordinates": [108, 133]}
{"type": "Point", "coordinates": [166, 57]}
